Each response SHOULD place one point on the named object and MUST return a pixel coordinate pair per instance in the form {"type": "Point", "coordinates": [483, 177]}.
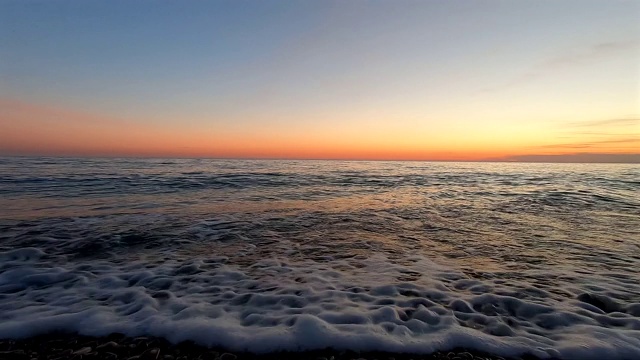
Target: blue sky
{"type": "Point", "coordinates": [461, 70]}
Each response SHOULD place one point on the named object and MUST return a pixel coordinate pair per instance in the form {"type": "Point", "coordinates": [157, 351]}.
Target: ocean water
{"type": "Point", "coordinates": [507, 258]}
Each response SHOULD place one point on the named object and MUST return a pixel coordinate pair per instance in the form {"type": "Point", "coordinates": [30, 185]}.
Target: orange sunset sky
{"type": "Point", "coordinates": [476, 80]}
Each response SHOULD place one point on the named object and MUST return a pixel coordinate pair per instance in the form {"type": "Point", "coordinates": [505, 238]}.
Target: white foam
{"type": "Point", "coordinates": [286, 304]}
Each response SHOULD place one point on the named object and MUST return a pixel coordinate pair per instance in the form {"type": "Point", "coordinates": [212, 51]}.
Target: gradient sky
{"type": "Point", "coordinates": [433, 80]}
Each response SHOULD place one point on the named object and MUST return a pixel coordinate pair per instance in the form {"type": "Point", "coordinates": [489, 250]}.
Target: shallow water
{"type": "Point", "coordinates": [508, 258]}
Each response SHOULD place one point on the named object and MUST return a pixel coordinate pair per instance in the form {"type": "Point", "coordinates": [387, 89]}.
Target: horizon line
{"type": "Point", "coordinates": [509, 159]}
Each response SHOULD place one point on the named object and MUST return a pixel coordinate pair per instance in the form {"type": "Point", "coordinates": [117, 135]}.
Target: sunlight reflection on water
{"type": "Point", "coordinates": [562, 236]}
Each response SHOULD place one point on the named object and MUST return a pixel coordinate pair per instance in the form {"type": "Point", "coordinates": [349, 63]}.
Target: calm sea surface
{"type": "Point", "coordinates": [508, 258]}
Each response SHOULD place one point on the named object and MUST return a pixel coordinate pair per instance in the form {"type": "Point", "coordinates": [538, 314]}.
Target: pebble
{"type": "Point", "coordinates": [120, 347]}
{"type": "Point", "coordinates": [83, 351]}
{"type": "Point", "coordinates": [14, 355]}
{"type": "Point", "coordinates": [209, 355]}
{"type": "Point", "coordinates": [151, 354]}
{"type": "Point", "coordinates": [108, 345]}
{"type": "Point", "coordinates": [110, 356]}
{"type": "Point", "coordinates": [66, 352]}
{"type": "Point", "coordinates": [227, 356]}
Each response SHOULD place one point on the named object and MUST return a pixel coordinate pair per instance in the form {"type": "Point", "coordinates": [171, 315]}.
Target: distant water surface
{"type": "Point", "coordinates": [509, 258]}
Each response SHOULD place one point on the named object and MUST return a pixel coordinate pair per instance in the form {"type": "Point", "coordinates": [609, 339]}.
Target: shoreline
{"type": "Point", "coordinates": [59, 346]}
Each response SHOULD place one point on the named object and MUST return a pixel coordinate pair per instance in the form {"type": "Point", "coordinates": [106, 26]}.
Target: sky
{"type": "Point", "coordinates": [381, 80]}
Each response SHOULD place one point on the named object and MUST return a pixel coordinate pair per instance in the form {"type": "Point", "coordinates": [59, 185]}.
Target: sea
{"type": "Point", "coordinates": [271, 255]}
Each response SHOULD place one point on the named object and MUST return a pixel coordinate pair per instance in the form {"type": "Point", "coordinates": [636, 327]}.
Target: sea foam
{"type": "Point", "coordinates": [279, 304]}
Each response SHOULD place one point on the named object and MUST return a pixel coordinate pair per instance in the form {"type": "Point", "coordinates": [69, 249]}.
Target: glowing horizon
{"type": "Point", "coordinates": [404, 81]}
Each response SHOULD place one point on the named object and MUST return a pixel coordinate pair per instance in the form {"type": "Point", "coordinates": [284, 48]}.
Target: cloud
{"type": "Point", "coordinates": [594, 53]}
{"type": "Point", "coordinates": [577, 158]}
{"type": "Point", "coordinates": [604, 123]}
{"type": "Point", "coordinates": [595, 142]}
{"type": "Point", "coordinates": [589, 144]}
{"type": "Point", "coordinates": [617, 135]}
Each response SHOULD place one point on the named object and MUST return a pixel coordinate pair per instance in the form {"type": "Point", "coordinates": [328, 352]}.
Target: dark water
{"type": "Point", "coordinates": [265, 255]}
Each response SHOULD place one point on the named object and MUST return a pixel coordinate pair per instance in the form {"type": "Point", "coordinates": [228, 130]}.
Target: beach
{"type": "Point", "coordinates": [118, 346]}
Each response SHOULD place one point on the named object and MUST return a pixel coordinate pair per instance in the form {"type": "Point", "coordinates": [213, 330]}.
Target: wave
{"type": "Point", "coordinates": [267, 256]}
